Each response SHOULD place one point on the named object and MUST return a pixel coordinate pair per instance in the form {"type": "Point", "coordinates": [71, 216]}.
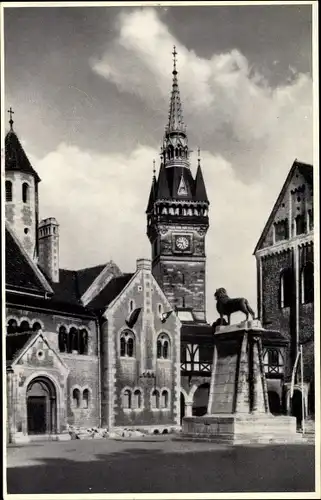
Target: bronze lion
{"type": "Point", "coordinates": [226, 306]}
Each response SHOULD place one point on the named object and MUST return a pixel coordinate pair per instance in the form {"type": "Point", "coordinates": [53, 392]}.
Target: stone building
{"type": "Point", "coordinates": [285, 281]}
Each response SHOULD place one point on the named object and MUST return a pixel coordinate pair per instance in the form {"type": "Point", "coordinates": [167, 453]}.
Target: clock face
{"type": "Point", "coordinates": [182, 242]}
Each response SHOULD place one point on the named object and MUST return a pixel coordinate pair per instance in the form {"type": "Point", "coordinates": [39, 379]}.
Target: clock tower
{"type": "Point", "coordinates": [177, 217]}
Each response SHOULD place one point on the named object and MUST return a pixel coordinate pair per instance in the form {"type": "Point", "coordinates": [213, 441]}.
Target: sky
{"type": "Point", "coordinates": [90, 89]}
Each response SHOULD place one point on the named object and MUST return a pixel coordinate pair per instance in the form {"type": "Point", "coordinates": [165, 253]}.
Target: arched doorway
{"type": "Point", "coordinates": [41, 406]}
{"type": "Point", "coordinates": [296, 407]}
{"type": "Point", "coordinates": [200, 400]}
{"type": "Point", "coordinates": [182, 407]}
{"type": "Point", "coordinates": [274, 403]}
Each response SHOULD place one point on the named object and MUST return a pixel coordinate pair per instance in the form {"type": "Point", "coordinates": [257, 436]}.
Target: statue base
{"type": "Point", "coordinates": [241, 429]}
{"type": "Point", "coordinates": [238, 408]}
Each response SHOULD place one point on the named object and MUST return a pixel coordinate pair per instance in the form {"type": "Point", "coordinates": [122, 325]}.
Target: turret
{"type": "Point", "coordinates": [48, 260]}
{"type": "Point", "coordinates": [21, 192]}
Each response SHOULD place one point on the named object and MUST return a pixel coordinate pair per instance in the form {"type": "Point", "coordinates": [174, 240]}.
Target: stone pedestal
{"type": "Point", "coordinates": [238, 409]}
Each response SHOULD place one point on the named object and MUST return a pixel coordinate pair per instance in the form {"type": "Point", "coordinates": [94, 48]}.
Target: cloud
{"type": "Point", "coordinates": [229, 107]}
{"type": "Point", "coordinates": [100, 203]}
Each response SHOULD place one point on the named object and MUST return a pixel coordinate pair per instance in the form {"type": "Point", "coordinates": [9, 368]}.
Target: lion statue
{"type": "Point", "coordinates": [226, 306]}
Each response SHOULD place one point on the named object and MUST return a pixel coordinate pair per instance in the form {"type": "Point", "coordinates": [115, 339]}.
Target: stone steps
{"type": "Point", "coordinates": [243, 439]}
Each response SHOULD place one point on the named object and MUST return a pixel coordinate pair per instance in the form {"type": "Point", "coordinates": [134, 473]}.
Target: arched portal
{"type": "Point", "coordinates": [182, 406]}
{"type": "Point", "coordinates": [41, 406]}
{"type": "Point", "coordinates": [274, 403]}
{"type": "Point", "coordinates": [296, 407]}
{"type": "Point", "coordinates": [200, 400]}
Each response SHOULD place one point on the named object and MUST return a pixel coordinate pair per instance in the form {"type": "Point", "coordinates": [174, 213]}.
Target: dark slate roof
{"type": "Point", "coordinates": [273, 337]}
{"type": "Point", "coordinates": [110, 292]}
{"type": "Point", "coordinates": [196, 332]}
{"type": "Point", "coordinates": [306, 170]}
{"type": "Point", "coordinates": [15, 343]}
{"type": "Point", "coordinates": [15, 156]}
{"type": "Point", "coordinates": [200, 190]}
{"type": "Point", "coordinates": [85, 277]}
{"type": "Point", "coordinates": [66, 291]}
{"type": "Point", "coordinates": [167, 184]}
{"type": "Point", "coordinates": [19, 273]}
{"type": "Point", "coordinates": [152, 195]}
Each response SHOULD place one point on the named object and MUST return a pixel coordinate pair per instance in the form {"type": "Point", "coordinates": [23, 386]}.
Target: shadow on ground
{"type": "Point", "coordinates": [287, 468]}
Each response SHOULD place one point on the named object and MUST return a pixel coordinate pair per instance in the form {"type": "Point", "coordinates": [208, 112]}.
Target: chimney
{"type": "Point", "coordinates": [144, 264]}
{"type": "Point", "coordinates": [48, 252]}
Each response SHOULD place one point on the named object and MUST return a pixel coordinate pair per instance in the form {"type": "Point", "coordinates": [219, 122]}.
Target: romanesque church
{"type": "Point", "coordinates": [97, 347]}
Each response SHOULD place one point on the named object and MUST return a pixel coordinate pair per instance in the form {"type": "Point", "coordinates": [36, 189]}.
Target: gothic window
{"type": "Point", "coordinates": [164, 399]}
{"type": "Point", "coordinates": [163, 346]}
{"type": "Point", "coordinates": [176, 152]}
{"type": "Point", "coordinates": [171, 211]}
{"type": "Point", "coordinates": [273, 361]}
{"type": "Point", "coordinates": [24, 326]}
{"type": "Point", "coordinates": [8, 191]}
{"type": "Point", "coordinates": [155, 399]}
{"type": "Point", "coordinates": [189, 211]}
{"type": "Point", "coordinates": [127, 344]}
{"type": "Point", "coordinates": [127, 399]}
{"type": "Point", "coordinates": [131, 306]}
{"type": "Point", "coordinates": [137, 400]}
{"type": "Point", "coordinates": [195, 211]}
{"type": "Point", "coordinates": [63, 339]}
{"type": "Point", "coordinates": [164, 211]}
{"type": "Point", "coordinates": [36, 326]}
{"type": "Point", "coordinates": [300, 224]}
{"type": "Point", "coordinates": [286, 287]}
{"type": "Point", "coordinates": [25, 192]}
{"type": "Point", "coordinates": [76, 398]}
{"type": "Point", "coordinates": [307, 283]}
{"type": "Point", "coordinates": [281, 230]}
{"type": "Point", "coordinates": [160, 310]}
{"type": "Point", "coordinates": [85, 398]}
{"type": "Point", "coordinates": [83, 341]}
{"type": "Point", "coordinates": [12, 326]}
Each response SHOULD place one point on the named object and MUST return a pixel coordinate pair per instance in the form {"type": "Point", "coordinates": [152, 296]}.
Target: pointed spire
{"type": "Point", "coordinates": [200, 190]}
{"type": "Point", "coordinates": [175, 118]}
{"type": "Point", "coordinates": [162, 184]}
{"type": "Point", "coordinates": [152, 194]}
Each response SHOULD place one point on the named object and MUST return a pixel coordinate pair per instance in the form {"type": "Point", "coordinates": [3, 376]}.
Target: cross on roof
{"type": "Point", "coordinates": [11, 112]}
{"type": "Point", "coordinates": [174, 57]}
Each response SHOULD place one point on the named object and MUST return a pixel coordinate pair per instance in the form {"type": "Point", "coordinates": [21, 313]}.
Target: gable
{"type": "Point", "coordinates": [21, 272]}
{"type": "Point", "coordinates": [37, 353]}
{"type": "Point", "coordinates": [294, 200]}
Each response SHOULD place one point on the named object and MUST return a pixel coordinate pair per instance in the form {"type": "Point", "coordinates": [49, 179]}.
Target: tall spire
{"type": "Point", "coordinates": [175, 118]}
{"type": "Point", "coordinates": [175, 150]}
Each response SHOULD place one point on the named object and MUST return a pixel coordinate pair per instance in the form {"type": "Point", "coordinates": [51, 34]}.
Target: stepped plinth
{"type": "Point", "coordinates": [238, 408]}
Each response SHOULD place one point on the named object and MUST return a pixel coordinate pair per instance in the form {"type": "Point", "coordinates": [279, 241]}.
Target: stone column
{"type": "Point", "coordinates": [188, 409]}
{"type": "Point", "coordinates": [10, 406]}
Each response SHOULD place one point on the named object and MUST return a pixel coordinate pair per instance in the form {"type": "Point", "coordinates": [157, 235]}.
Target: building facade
{"type": "Point", "coordinates": [285, 279]}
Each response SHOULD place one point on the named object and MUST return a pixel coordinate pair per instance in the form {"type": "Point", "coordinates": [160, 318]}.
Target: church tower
{"type": "Point", "coordinates": [21, 192]}
{"type": "Point", "coordinates": [177, 217]}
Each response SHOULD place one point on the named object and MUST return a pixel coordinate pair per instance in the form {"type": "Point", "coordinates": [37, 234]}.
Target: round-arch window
{"type": "Point", "coordinates": [25, 192]}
